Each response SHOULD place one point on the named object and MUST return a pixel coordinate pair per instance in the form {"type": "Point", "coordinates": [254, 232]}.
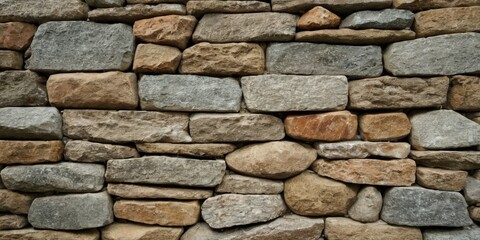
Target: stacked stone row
{"type": "Point", "coordinates": [206, 119]}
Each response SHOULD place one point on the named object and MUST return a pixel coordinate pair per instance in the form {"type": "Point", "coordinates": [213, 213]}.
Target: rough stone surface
{"type": "Point", "coordinates": [189, 93]}
{"type": "Point", "coordinates": [126, 126]}
{"type": "Point", "coordinates": [418, 5]}
{"type": "Point", "coordinates": [454, 160]}
{"type": "Point", "coordinates": [81, 46]}
{"type": "Point", "coordinates": [198, 8]}
{"type": "Point", "coordinates": [318, 18]}
{"type": "Point", "coordinates": [157, 192]}
{"type": "Point", "coordinates": [166, 170]}
{"type": "Point", "coordinates": [15, 202]}
{"type": "Point", "coordinates": [396, 19]}
{"type": "Point", "coordinates": [235, 183]}
{"type": "Point", "coordinates": [10, 221]}
{"type": "Point", "coordinates": [474, 213]}
{"type": "Point", "coordinates": [384, 126]}
{"type": "Point", "coordinates": [447, 21]}
{"type": "Point", "coordinates": [223, 59]}
{"type": "Point", "coordinates": [368, 205]}
{"type": "Point", "coordinates": [323, 59]}
{"type": "Point", "coordinates": [440, 55]}
{"type": "Point", "coordinates": [338, 6]}
{"type": "Point", "coordinates": [61, 177]}
{"type": "Point", "coordinates": [84, 151]}
{"type": "Point", "coordinates": [237, 127]}
{"type": "Point", "coordinates": [105, 3]}
{"type": "Point", "coordinates": [355, 37]}
{"type": "Point", "coordinates": [465, 233]}
{"type": "Point", "coordinates": [42, 123]}
{"type": "Point", "coordinates": [35, 234]}
{"type": "Point", "coordinates": [229, 210]}
{"type": "Point", "coordinates": [471, 191]}
{"type": "Point", "coordinates": [464, 93]}
{"type": "Point", "coordinates": [30, 152]}
{"type": "Point", "coordinates": [276, 160]}
{"type": "Point", "coordinates": [152, 58]}
{"type": "Point", "coordinates": [110, 90]}
{"type": "Point", "coordinates": [22, 88]}
{"type": "Point", "coordinates": [156, 1]}
{"type": "Point", "coordinates": [416, 206]}
{"type": "Point", "coordinates": [442, 129]}
{"type": "Point", "coordinates": [441, 179]}
{"type": "Point", "coordinates": [11, 60]}
{"type": "Point", "coordinates": [475, 116]}
{"type": "Point", "coordinates": [133, 231]}
{"type": "Point", "coordinates": [194, 150]}
{"type": "Point", "coordinates": [163, 213]}
{"type": "Point", "coordinates": [132, 13]}
{"type": "Point", "coordinates": [16, 35]}
{"type": "Point", "coordinates": [331, 126]}
{"type": "Point", "coordinates": [362, 149]}
{"type": "Point", "coordinates": [281, 93]}
{"type": "Point", "coordinates": [311, 195]}
{"type": "Point", "coordinates": [72, 211]}
{"type": "Point", "coordinates": [38, 12]}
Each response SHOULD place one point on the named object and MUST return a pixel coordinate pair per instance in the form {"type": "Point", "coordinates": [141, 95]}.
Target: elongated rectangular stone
{"type": "Point", "coordinates": [157, 192]}
{"type": "Point", "coordinates": [419, 5]}
{"type": "Point", "coordinates": [208, 6]}
{"type": "Point", "coordinates": [30, 152]}
{"type": "Point", "coordinates": [447, 20]}
{"type": "Point", "coordinates": [338, 6]}
{"type": "Point", "coordinates": [324, 59]}
{"type": "Point", "coordinates": [280, 93]}
{"type": "Point", "coordinates": [42, 123]}
{"type": "Point", "coordinates": [362, 149]}
{"type": "Point", "coordinates": [85, 151]}
{"type": "Point", "coordinates": [132, 13]}
{"type": "Point", "coordinates": [37, 234]}
{"type": "Point", "coordinates": [189, 149]}
{"type": "Point", "coordinates": [42, 11]}
{"type": "Point", "coordinates": [355, 37]}
{"type": "Point", "coordinates": [455, 160]}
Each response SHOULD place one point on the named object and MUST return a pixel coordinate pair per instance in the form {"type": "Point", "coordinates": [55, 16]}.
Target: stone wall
{"type": "Point", "coordinates": [211, 119]}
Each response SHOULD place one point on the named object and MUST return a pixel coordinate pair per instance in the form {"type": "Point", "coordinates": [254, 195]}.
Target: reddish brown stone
{"type": "Point", "coordinates": [30, 152]}
{"type": "Point", "coordinates": [151, 58]}
{"type": "Point", "coordinates": [318, 18]}
{"type": "Point", "coordinates": [464, 93]}
{"type": "Point", "coordinates": [384, 126]}
{"type": "Point", "coordinates": [16, 35]}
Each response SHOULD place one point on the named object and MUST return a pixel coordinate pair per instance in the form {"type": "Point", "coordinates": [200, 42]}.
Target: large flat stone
{"type": "Point", "coordinates": [441, 179]}
{"type": "Point", "coordinates": [384, 126]}
{"type": "Point", "coordinates": [205, 94]}
{"type": "Point", "coordinates": [166, 170]}
{"type": "Point", "coordinates": [15, 202]}
{"type": "Point", "coordinates": [440, 55]}
{"type": "Point", "coordinates": [454, 160]}
{"type": "Point", "coordinates": [12, 221]}
{"type": "Point", "coordinates": [132, 13]}
{"type": "Point", "coordinates": [36, 234]}
{"type": "Point", "coordinates": [133, 231]}
{"type": "Point", "coordinates": [22, 89]}
{"type": "Point", "coordinates": [465, 233]}
{"type": "Point", "coordinates": [202, 7]}
{"type": "Point", "coordinates": [464, 93]}
{"type": "Point", "coordinates": [281, 93]}
{"type": "Point", "coordinates": [355, 37]}
{"type": "Point", "coordinates": [362, 149]}
{"type": "Point", "coordinates": [234, 183]}
{"type": "Point", "coordinates": [195, 150]}
{"type": "Point", "coordinates": [368, 205]}
{"type": "Point", "coordinates": [397, 19]}
{"type": "Point", "coordinates": [126, 126]}
{"type": "Point", "coordinates": [42, 123]}
{"type": "Point", "coordinates": [324, 59]}
{"type": "Point", "coordinates": [38, 12]}
{"type": "Point", "coordinates": [420, 207]}
{"type": "Point", "coordinates": [84, 151]}
{"type": "Point", "coordinates": [75, 46]}
{"type": "Point", "coordinates": [338, 6]}
{"type": "Point", "coordinates": [30, 152]}
{"type": "Point", "coordinates": [16, 35]}
{"type": "Point", "coordinates": [157, 192]}
{"type": "Point", "coordinates": [11, 60]}
{"type": "Point", "coordinates": [447, 21]}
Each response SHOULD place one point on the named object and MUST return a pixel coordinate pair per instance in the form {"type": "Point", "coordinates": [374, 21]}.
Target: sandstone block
{"type": "Point", "coordinates": [35, 234]}
{"type": "Point", "coordinates": [156, 192]}
{"type": "Point", "coordinates": [362, 149]}
{"type": "Point", "coordinates": [15, 202]}
{"type": "Point", "coordinates": [464, 93]}
{"type": "Point", "coordinates": [22, 89]}
{"type": "Point", "coordinates": [454, 160]}
{"type": "Point", "coordinates": [202, 7]}
{"type": "Point", "coordinates": [42, 123]}
{"type": "Point", "coordinates": [132, 13]}
{"type": "Point", "coordinates": [16, 35]}
{"type": "Point", "coordinates": [11, 60]}
{"type": "Point", "coordinates": [441, 179]}
{"type": "Point", "coordinates": [133, 231]}
{"type": "Point", "coordinates": [318, 18]}
{"type": "Point", "coordinates": [33, 11]}
{"type": "Point", "coordinates": [355, 37]}
{"type": "Point", "coordinates": [447, 21]}
{"type": "Point", "coordinates": [396, 19]}
{"type": "Point", "coordinates": [384, 126]}
{"type": "Point", "coordinates": [338, 6]}
{"type": "Point", "coordinates": [10, 221]}
{"type": "Point", "coordinates": [84, 151]}
{"type": "Point", "coordinates": [234, 183]}
{"type": "Point", "coordinates": [419, 5]}
{"type": "Point", "coordinates": [368, 205]}
{"type": "Point", "coordinates": [30, 152]}
{"type": "Point", "coordinates": [152, 58]}
{"type": "Point", "coordinates": [194, 150]}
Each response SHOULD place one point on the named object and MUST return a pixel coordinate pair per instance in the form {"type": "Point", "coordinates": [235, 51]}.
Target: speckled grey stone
{"type": "Point", "coordinates": [35, 11]}
{"type": "Point", "coordinates": [465, 233]}
{"type": "Point", "coordinates": [22, 89]}
{"type": "Point", "coordinates": [472, 190]}
{"type": "Point", "coordinates": [33, 123]}
{"type": "Point", "coordinates": [396, 19]}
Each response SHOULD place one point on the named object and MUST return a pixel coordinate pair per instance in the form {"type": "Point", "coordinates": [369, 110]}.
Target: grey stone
{"type": "Point", "coordinates": [42, 11]}
{"type": "Point", "coordinates": [72, 211]}
{"type": "Point", "coordinates": [443, 129]}
{"type": "Point", "coordinates": [11, 221]}
{"type": "Point", "coordinates": [60, 177]}
{"type": "Point", "coordinates": [368, 205]}
{"type": "Point", "coordinates": [454, 160]}
{"type": "Point", "coordinates": [465, 233]}
{"type": "Point", "coordinates": [132, 13]}
{"type": "Point", "coordinates": [11, 60]}
{"type": "Point", "coordinates": [105, 3]}
{"type": "Point", "coordinates": [246, 27]}
{"type": "Point", "coordinates": [84, 151]}
{"type": "Point", "coordinates": [420, 207]}
{"type": "Point", "coordinates": [324, 59]}
{"type": "Point", "coordinates": [472, 190]}
{"type": "Point", "coordinates": [281, 93]}
{"type": "Point", "coordinates": [440, 55]}
{"type": "Point", "coordinates": [229, 210]}
{"type": "Point", "coordinates": [362, 149]}
{"type": "Point", "coordinates": [34, 123]}
{"type": "Point", "coordinates": [22, 89]}
{"type": "Point", "coordinates": [166, 170]}
{"type": "Point", "coordinates": [37, 234]}
{"type": "Point", "coordinates": [157, 192]}
{"type": "Point", "coordinates": [189, 93]}
{"type": "Point", "coordinates": [337, 6]}
{"type": "Point", "coordinates": [192, 149]}
{"type": "Point", "coordinates": [199, 8]}
{"type": "Point", "coordinates": [384, 19]}
{"type": "Point", "coordinates": [81, 46]}
{"type": "Point", "coordinates": [234, 183]}
{"type": "Point", "coordinates": [155, 1]}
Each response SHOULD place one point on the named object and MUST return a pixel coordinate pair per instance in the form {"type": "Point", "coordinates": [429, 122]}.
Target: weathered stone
{"type": "Point", "coordinates": [126, 126]}
{"type": "Point", "coordinates": [362, 149]}
{"type": "Point", "coordinates": [475, 116]}
{"type": "Point", "coordinates": [156, 192]}
{"type": "Point", "coordinates": [281, 93]}
{"type": "Point", "coordinates": [474, 213]}
{"type": "Point", "coordinates": [237, 127]}
{"type": "Point", "coordinates": [440, 55]}
{"type": "Point", "coordinates": [72, 211]}
{"type": "Point", "coordinates": [396, 19]}
{"type": "Point", "coordinates": [223, 59]}
{"type": "Point", "coordinates": [195, 150]}
{"type": "Point", "coordinates": [172, 30]}
{"type": "Point", "coordinates": [471, 191]}
{"type": "Point", "coordinates": [110, 90]}
{"type": "Point", "coordinates": [355, 37]}
{"type": "Point", "coordinates": [166, 170]}
{"type": "Point", "coordinates": [454, 160]}
{"type": "Point", "coordinates": [35, 234]}
{"type": "Point", "coordinates": [84, 151]}
{"type": "Point", "coordinates": [318, 18]}
{"type": "Point", "coordinates": [442, 129]}
{"type": "Point", "coordinates": [276, 160]}
{"type": "Point", "coordinates": [202, 7]}
{"type": "Point", "coordinates": [155, 1]}
{"type": "Point", "coordinates": [34, 11]}
{"type": "Point", "coordinates": [189, 93]}
{"type": "Point", "coordinates": [384, 126]}
{"type": "Point", "coordinates": [10, 221]}
{"type": "Point", "coordinates": [229, 210]}
{"type": "Point", "coordinates": [16, 35]}
{"type": "Point", "coordinates": [339, 228]}
{"type": "Point", "coordinates": [81, 46]}
{"type": "Point", "coordinates": [465, 233]}
{"type": "Point", "coordinates": [152, 58]}
{"type": "Point", "coordinates": [105, 3]}
{"type": "Point", "coordinates": [11, 60]}
{"type": "Point", "coordinates": [22, 88]}
{"type": "Point", "coordinates": [416, 206]}
{"type": "Point", "coordinates": [447, 21]}
{"type": "Point", "coordinates": [338, 6]}
{"type": "Point", "coordinates": [133, 231]}
{"type": "Point", "coordinates": [332, 126]}
{"type": "Point", "coordinates": [368, 205]}
{"type": "Point", "coordinates": [235, 183]}
{"type": "Point", "coordinates": [30, 152]}
{"type": "Point", "coordinates": [323, 59]}
{"type": "Point", "coordinates": [42, 123]}
{"type": "Point", "coordinates": [441, 179]}
{"type": "Point", "coordinates": [419, 5]}
{"type": "Point", "coordinates": [163, 213]}
{"type": "Point", "coordinates": [132, 13]}
{"type": "Point", "coordinates": [15, 202]}
{"type": "Point", "coordinates": [61, 177]}
{"type": "Point", "coordinates": [464, 93]}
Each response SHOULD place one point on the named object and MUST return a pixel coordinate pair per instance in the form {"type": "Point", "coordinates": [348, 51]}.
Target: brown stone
{"type": "Point", "coordinates": [156, 192]}
{"type": "Point", "coordinates": [16, 35]}
{"type": "Point", "coordinates": [163, 213]}
{"type": "Point", "coordinates": [202, 7]}
{"type": "Point", "coordinates": [223, 59]}
{"type": "Point", "coordinates": [474, 117]}
{"type": "Point", "coordinates": [11, 221]}
{"type": "Point", "coordinates": [368, 171]}
{"type": "Point", "coordinates": [464, 92]}
{"type": "Point", "coordinates": [194, 150]}
{"type": "Point", "coordinates": [10, 60]}
{"type": "Point", "coordinates": [454, 160]}
{"type": "Point", "coordinates": [384, 126]}
{"type": "Point", "coordinates": [418, 5]}
{"type": "Point", "coordinates": [133, 231]}
{"type": "Point", "coordinates": [172, 30]}
{"type": "Point", "coordinates": [355, 37]}
{"type": "Point", "coordinates": [474, 212]}
{"type": "Point", "coordinates": [84, 151]}
{"type": "Point", "coordinates": [132, 13]}
{"type": "Point", "coordinates": [34, 234]}
{"type": "Point", "coordinates": [30, 152]}
{"type": "Point", "coordinates": [318, 18]}
{"type": "Point", "coordinates": [332, 126]}
{"type": "Point", "coordinates": [234, 183]}
{"type": "Point", "coordinates": [441, 179]}
{"type": "Point", "coordinates": [14, 202]}
{"type": "Point", "coordinates": [447, 20]}
{"type": "Point", "coordinates": [151, 58]}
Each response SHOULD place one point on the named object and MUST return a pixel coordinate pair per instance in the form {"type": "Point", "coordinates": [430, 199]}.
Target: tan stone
{"type": "Point", "coordinates": [311, 195]}
{"type": "Point", "coordinates": [194, 150]}
{"type": "Point", "coordinates": [332, 126]}
{"type": "Point", "coordinates": [34, 234]}
{"type": "Point", "coordinates": [131, 13]}
{"type": "Point", "coordinates": [84, 151]}
{"type": "Point", "coordinates": [14, 202]}
{"type": "Point", "coordinates": [16, 35]}
{"type": "Point", "coordinates": [447, 20]}
{"type": "Point", "coordinates": [11, 60]}
{"type": "Point", "coordinates": [368, 171]}
{"type": "Point", "coordinates": [474, 213]}
{"type": "Point", "coordinates": [133, 231]}
{"type": "Point", "coordinates": [156, 192]}
{"type": "Point", "coordinates": [202, 7]}
{"type": "Point", "coordinates": [441, 179]}
{"type": "Point", "coordinates": [234, 183]}
{"type": "Point", "coordinates": [368, 205]}
{"type": "Point", "coordinates": [418, 5]}
{"type": "Point", "coordinates": [110, 90]}
{"type": "Point", "coordinates": [318, 18]}
{"type": "Point", "coordinates": [11, 221]}
{"type": "Point", "coordinates": [152, 58]}
{"type": "Point", "coordinates": [337, 228]}
{"type": "Point", "coordinates": [172, 30]}
{"type": "Point", "coordinates": [384, 126]}
{"type": "Point", "coordinates": [355, 37]}
{"type": "Point", "coordinates": [223, 59]}
{"type": "Point", "coordinates": [455, 160]}
{"type": "Point", "coordinates": [30, 152]}
{"type": "Point", "coordinates": [163, 213]}
{"type": "Point", "coordinates": [464, 92]}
